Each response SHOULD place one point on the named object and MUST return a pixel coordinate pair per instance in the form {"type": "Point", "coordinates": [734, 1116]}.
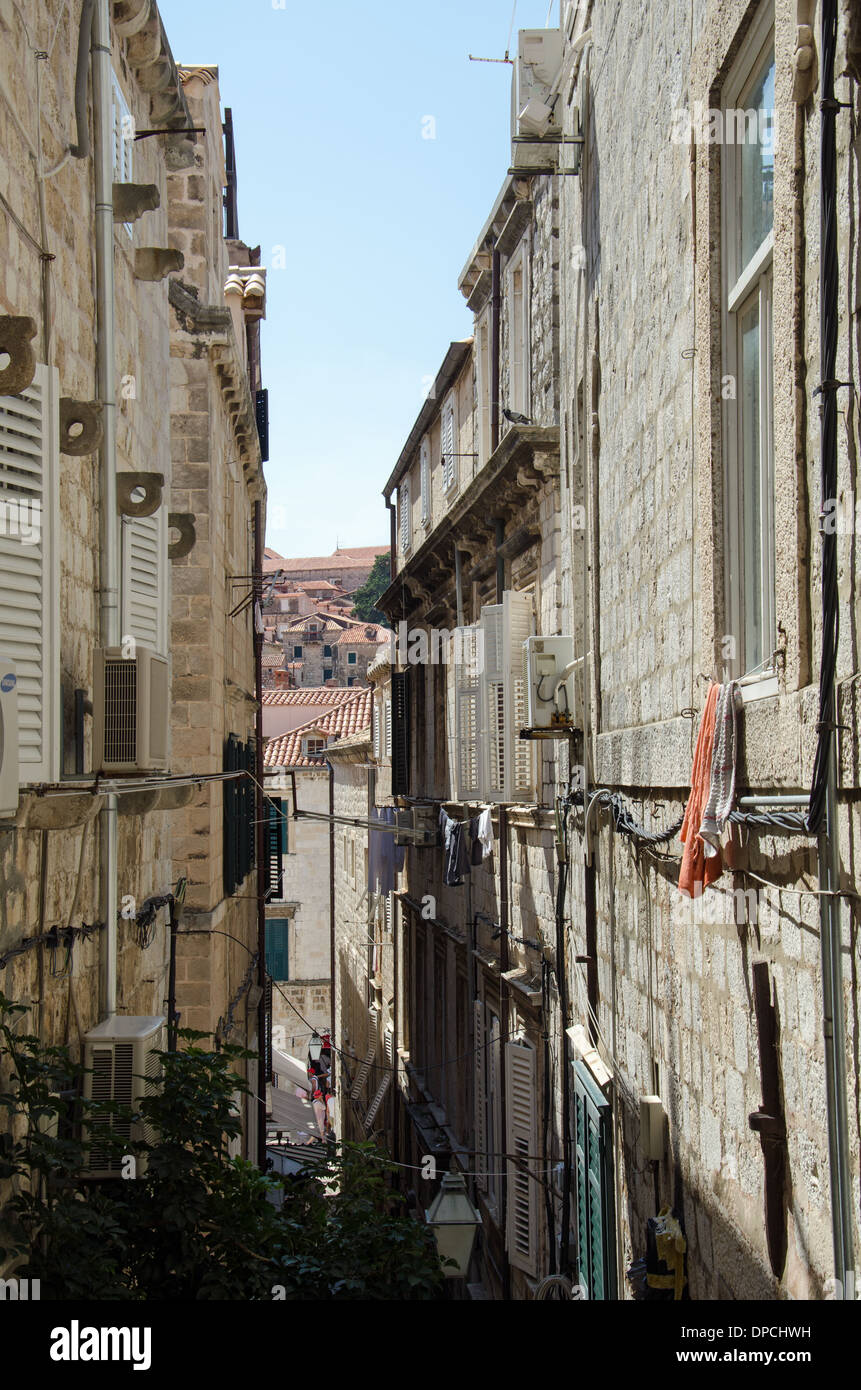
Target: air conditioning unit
{"type": "Point", "coordinates": [535, 112]}
{"type": "Point", "coordinates": [550, 699]}
{"type": "Point", "coordinates": [8, 737]}
{"type": "Point", "coordinates": [131, 711]}
{"type": "Point", "coordinates": [119, 1059]}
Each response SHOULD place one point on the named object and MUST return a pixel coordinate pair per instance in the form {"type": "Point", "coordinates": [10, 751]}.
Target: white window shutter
{"type": "Point", "coordinates": [521, 1080]}
{"type": "Point", "coordinates": [468, 717]}
{"type": "Point", "coordinates": [387, 709]}
{"type": "Point", "coordinates": [493, 705]}
{"type": "Point", "coordinates": [518, 625]}
{"type": "Point", "coordinates": [481, 1165]}
{"type": "Point", "coordinates": [404, 508]}
{"type": "Point", "coordinates": [424, 469]}
{"type": "Point", "coordinates": [29, 573]}
{"type": "Point", "coordinates": [144, 610]}
{"type": "Point", "coordinates": [376, 729]}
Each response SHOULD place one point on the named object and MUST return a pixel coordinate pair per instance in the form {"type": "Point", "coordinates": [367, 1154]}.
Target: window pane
{"type": "Point", "coordinates": [751, 481]}
{"type": "Point", "coordinates": [756, 137]}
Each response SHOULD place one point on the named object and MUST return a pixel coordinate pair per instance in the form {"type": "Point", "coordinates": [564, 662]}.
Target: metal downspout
{"type": "Point", "coordinates": [260, 845]}
{"type": "Point", "coordinates": [833, 1022]}
{"type": "Point", "coordinates": [109, 552]}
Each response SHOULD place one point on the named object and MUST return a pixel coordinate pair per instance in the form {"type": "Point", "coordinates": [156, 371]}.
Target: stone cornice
{"type": "Point", "coordinates": [509, 486]}
{"type": "Point", "coordinates": [139, 24]}
{"type": "Point", "coordinates": [214, 323]}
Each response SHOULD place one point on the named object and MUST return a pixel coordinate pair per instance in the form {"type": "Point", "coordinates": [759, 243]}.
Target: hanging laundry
{"type": "Point", "coordinates": [485, 832]}
{"type": "Point", "coordinates": [385, 858]}
{"type": "Point", "coordinates": [455, 850]}
{"type": "Point", "coordinates": [722, 783]}
{"type": "Point", "coordinates": [476, 849]}
{"type": "Point", "coordinates": [697, 872]}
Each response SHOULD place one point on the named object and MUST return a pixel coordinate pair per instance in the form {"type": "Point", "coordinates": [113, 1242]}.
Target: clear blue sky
{"type": "Point", "coordinates": [328, 107]}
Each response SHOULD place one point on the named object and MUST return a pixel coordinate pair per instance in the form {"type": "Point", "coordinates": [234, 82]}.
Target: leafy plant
{"type": "Point", "coordinates": [366, 595]}
{"type": "Point", "coordinates": [195, 1223]}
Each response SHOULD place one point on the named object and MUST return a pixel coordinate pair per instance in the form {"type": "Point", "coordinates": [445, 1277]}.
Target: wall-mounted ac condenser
{"type": "Point", "coordinates": [8, 737]}
{"type": "Point", "coordinates": [120, 1059]}
{"type": "Point", "coordinates": [535, 113]}
{"type": "Point", "coordinates": [549, 704]}
{"type": "Point", "coordinates": [131, 711]}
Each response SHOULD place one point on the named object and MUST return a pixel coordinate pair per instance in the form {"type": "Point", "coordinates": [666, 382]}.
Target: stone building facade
{"type": "Point", "coordinates": [135, 522]}
{"type": "Point", "coordinates": [672, 327]}
{"type": "Point", "coordinates": [304, 850]}
{"type": "Point", "coordinates": [479, 559]}
{"type": "Point", "coordinates": [50, 590]}
{"type": "Point", "coordinates": [368, 941]}
{"type": "Point", "coordinates": [218, 301]}
{"type": "Point", "coordinates": [648, 284]}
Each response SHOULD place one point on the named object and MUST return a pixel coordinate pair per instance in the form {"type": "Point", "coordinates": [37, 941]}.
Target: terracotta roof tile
{"type": "Point", "coordinates": [346, 719]}
{"type": "Point", "coordinates": [310, 695]}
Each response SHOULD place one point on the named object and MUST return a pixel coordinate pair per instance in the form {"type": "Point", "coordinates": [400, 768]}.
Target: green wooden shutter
{"type": "Point", "coordinates": [230, 797]}
{"type": "Point", "coordinates": [400, 733]}
{"type": "Point", "coordinates": [277, 958]}
{"type": "Point", "coordinates": [596, 1222]}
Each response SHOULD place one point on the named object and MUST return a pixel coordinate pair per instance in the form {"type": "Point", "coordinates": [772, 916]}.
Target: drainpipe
{"type": "Point", "coordinates": [503, 1037]}
{"type": "Point", "coordinates": [109, 561]}
{"type": "Point", "coordinates": [495, 317]}
{"type": "Point", "coordinates": [499, 537]}
{"type": "Point", "coordinates": [829, 848]}
{"type": "Point", "coordinates": [331, 768]}
{"type": "Point", "coordinates": [393, 534]}
{"type": "Point", "coordinates": [262, 1078]}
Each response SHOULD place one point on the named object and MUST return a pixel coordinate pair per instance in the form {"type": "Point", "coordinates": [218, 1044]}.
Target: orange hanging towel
{"type": "Point", "coordinates": [697, 872]}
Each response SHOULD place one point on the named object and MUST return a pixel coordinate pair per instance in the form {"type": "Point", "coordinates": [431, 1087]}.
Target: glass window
{"type": "Point", "coordinates": [747, 389]}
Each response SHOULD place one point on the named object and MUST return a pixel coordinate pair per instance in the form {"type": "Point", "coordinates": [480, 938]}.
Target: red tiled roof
{"type": "Point", "coordinates": [358, 636]}
{"type": "Point", "coordinates": [350, 717]}
{"type": "Point", "coordinates": [363, 552]}
{"type": "Point", "coordinates": [273, 659]}
{"type": "Point", "coordinates": [310, 695]}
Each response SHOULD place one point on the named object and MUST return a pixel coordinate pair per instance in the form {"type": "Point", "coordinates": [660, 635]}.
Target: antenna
{"type": "Point", "coordinates": [506, 59]}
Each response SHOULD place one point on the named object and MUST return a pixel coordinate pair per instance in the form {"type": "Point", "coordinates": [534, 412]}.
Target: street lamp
{"type": "Point", "coordinates": [315, 1049]}
{"type": "Point", "coordinates": [454, 1222]}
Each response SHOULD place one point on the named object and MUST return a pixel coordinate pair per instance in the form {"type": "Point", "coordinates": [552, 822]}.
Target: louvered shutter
{"type": "Point", "coordinates": [385, 1083]}
{"type": "Point", "coordinates": [29, 573]}
{"type": "Point", "coordinates": [448, 445]}
{"type": "Point", "coordinates": [404, 509]}
{"type": "Point", "coordinates": [593, 1150]}
{"type": "Point", "coordinates": [522, 1140]}
{"type": "Point", "coordinates": [468, 716]}
{"type": "Point", "coordinates": [277, 948]}
{"type": "Point", "coordinates": [480, 1070]}
{"type": "Point", "coordinates": [144, 610]}
{"type": "Point", "coordinates": [376, 729]}
{"type": "Point", "coordinates": [493, 704]}
{"type": "Point", "coordinates": [276, 844]}
{"type": "Point", "coordinates": [123, 134]}
{"type": "Point", "coordinates": [518, 625]}
{"type": "Point", "coordinates": [424, 469]}
{"type": "Point", "coordinates": [387, 711]}
{"type": "Point", "coordinates": [400, 733]}
{"type": "Point", "coordinates": [371, 1052]}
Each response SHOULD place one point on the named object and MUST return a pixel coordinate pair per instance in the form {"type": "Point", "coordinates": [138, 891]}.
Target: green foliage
{"type": "Point", "coordinates": [196, 1223]}
{"type": "Point", "coordinates": [367, 594]}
